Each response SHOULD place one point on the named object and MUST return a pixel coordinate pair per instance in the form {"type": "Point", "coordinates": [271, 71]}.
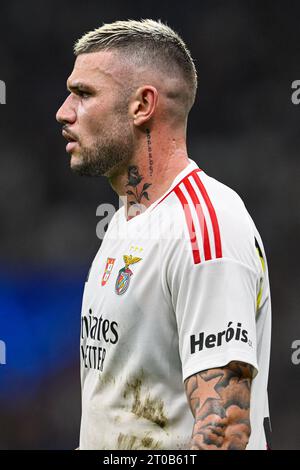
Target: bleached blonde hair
{"type": "Point", "coordinates": [146, 42]}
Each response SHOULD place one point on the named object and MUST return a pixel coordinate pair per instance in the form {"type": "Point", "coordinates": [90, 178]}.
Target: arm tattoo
{"type": "Point", "coordinates": [220, 402]}
{"type": "Point", "coordinates": [134, 179]}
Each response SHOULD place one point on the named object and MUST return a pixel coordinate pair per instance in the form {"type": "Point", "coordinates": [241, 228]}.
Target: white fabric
{"type": "Point", "coordinates": [175, 319]}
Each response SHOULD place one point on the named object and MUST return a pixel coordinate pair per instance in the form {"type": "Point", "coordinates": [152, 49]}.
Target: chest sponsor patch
{"type": "Point", "coordinates": [108, 269]}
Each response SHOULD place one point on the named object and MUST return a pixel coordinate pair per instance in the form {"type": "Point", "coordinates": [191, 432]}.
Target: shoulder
{"type": "Point", "coordinates": [209, 220]}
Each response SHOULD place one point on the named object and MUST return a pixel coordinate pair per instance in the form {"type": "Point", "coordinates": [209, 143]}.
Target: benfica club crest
{"type": "Point", "coordinates": [108, 269]}
{"type": "Point", "coordinates": [123, 279]}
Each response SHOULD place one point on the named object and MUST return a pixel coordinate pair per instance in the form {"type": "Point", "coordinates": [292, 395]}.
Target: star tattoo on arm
{"type": "Point", "coordinates": [220, 402]}
{"type": "Point", "coordinates": [204, 391]}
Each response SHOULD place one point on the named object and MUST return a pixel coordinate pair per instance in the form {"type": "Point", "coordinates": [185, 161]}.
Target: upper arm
{"type": "Point", "coordinates": [219, 399]}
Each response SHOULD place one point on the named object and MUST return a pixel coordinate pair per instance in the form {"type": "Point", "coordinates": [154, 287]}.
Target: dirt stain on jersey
{"type": "Point", "coordinates": [145, 407]}
{"type": "Point", "coordinates": [131, 442]}
{"type": "Point", "coordinates": [107, 379]}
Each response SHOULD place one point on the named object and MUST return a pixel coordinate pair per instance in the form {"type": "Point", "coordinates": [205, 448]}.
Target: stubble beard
{"type": "Point", "coordinates": [108, 154]}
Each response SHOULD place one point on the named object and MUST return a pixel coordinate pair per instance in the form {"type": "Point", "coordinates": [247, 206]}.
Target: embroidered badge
{"type": "Point", "coordinates": [123, 279]}
{"type": "Point", "coordinates": [108, 269]}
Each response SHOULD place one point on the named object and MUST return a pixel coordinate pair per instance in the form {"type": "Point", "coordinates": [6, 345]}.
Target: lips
{"type": "Point", "coordinates": [70, 146]}
{"type": "Point", "coordinates": [69, 136]}
{"type": "Point", "coordinates": [72, 141]}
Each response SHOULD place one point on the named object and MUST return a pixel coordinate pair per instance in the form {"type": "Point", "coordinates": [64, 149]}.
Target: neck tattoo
{"type": "Point", "coordinates": [149, 152]}
{"type": "Point", "coordinates": [137, 192]}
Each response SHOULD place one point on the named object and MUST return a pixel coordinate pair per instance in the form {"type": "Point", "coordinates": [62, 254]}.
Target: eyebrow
{"type": "Point", "coordinates": [79, 86]}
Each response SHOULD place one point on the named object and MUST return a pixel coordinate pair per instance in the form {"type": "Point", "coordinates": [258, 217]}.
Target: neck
{"type": "Point", "coordinates": [150, 172]}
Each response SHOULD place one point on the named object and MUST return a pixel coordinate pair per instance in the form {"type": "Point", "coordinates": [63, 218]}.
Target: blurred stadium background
{"type": "Point", "coordinates": [243, 130]}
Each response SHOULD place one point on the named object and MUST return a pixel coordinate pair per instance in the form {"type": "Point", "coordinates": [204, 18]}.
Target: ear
{"type": "Point", "coordinates": [143, 104]}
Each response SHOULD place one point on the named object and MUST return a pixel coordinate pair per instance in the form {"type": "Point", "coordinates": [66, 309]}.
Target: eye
{"type": "Point", "coordinates": [83, 94]}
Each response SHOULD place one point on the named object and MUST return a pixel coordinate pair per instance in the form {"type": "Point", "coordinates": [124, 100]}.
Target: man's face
{"type": "Point", "coordinates": [95, 115]}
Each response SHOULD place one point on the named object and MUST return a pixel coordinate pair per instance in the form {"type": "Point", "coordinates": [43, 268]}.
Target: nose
{"type": "Point", "coordinates": [66, 113]}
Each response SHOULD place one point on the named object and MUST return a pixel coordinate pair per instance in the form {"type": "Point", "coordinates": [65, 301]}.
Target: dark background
{"type": "Point", "coordinates": [243, 130]}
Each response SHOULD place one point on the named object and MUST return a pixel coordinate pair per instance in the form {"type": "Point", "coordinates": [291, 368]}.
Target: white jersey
{"type": "Point", "coordinates": [179, 289]}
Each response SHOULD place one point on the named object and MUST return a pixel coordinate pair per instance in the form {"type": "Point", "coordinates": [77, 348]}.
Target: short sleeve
{"type": "Point", "coordinates": [214, 303]}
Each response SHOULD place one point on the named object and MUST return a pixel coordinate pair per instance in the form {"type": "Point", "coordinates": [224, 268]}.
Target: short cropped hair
{"type": "Point", "coordinates": [147, 42]}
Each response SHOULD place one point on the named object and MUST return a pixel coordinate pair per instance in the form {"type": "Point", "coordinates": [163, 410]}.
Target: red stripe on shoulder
{"type": "Point", "coordinates": [190, 223]}
{"type": "Point", "coordinates": [196, 170]}
{"type": "Point", "coordinates": [201, 217]}
{"type": "Point", "coordinates": [212, 213]}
